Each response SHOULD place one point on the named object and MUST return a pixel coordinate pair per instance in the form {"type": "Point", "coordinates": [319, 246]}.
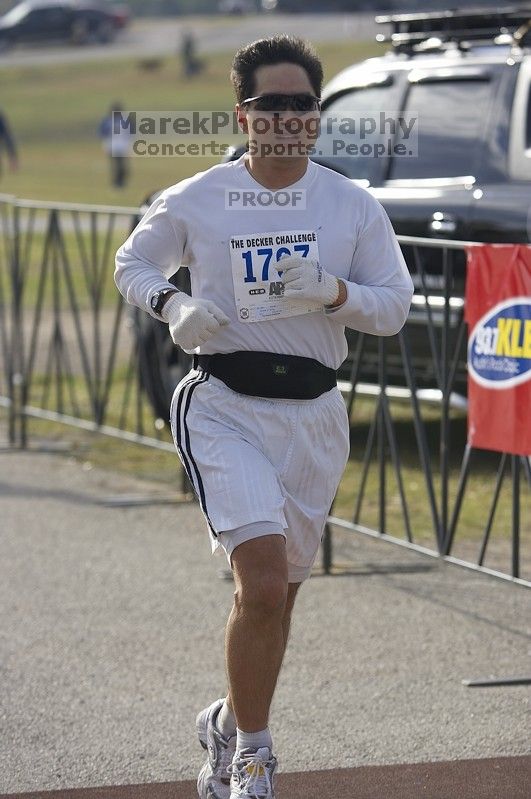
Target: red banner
{"type": "Point", "coordinates": [498, 313]}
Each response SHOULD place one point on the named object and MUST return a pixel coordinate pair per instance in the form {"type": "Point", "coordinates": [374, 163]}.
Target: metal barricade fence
{"type": "Point", "coordinates": [69, 348]}
{"type": "Point", "coordinates": [425, 365]}
{"type": "Point", "coordinates": [72, 353]}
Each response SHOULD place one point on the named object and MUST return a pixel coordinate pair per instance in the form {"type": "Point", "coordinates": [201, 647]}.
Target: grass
{"type": "Point", "coordinates": [55, 112]}
{"type": "Point", "coordinates": [107, 453]}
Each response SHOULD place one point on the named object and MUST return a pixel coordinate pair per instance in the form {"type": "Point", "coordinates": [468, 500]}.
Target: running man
{"type": "Point", "coordinates": [259, 422]}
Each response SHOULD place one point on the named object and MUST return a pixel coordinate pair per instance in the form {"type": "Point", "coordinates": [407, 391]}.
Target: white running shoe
{"type": "Point", "coordinates": [213, 781]}
{"type": "Point", "coordinates": [252, 772]}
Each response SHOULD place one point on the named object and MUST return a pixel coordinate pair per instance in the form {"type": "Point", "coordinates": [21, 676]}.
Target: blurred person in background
{"type": "Point", "coordinates": [7, 142]}
{"type": "Point", "coordinates": [191, 63]}
{"type": "Point", "coordinates": [117, 146]}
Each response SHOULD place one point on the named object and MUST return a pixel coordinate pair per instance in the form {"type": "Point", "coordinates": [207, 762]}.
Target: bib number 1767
{"type": "Point", "coordinates": [264, 256]}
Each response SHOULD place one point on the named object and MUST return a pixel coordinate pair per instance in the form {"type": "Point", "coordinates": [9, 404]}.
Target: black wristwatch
{"type": "Point", "coordinates": [159, 298]}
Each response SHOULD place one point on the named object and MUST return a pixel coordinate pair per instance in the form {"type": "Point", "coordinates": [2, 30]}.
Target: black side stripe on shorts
{"type": "Point", "coordinates": [182, 455]}
{"type": "Point", "coordinates": [186, 452]}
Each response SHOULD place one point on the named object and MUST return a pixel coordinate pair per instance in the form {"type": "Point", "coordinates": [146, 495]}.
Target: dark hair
{"type": "Point", "coordinates": [278, 49]}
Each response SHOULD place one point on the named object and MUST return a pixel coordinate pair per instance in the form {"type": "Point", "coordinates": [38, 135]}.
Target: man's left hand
{"type": "Point", "coordinates": [305, 279]}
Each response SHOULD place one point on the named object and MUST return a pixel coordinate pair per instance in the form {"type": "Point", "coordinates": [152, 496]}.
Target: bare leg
{"type": "Point", "coordinates": [286, 619]}
{"type": "Point", "coordinates": [292, 593]}
{"type": "Point", "coordinates": [254, 638]}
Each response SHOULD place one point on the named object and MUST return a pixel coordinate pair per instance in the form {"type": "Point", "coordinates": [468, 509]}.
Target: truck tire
{"type": "Point", "coordinates": [161, 363]}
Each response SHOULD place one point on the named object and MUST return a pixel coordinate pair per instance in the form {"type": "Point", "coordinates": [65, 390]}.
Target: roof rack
{"type": "Point", "coordinates": [436, 29]}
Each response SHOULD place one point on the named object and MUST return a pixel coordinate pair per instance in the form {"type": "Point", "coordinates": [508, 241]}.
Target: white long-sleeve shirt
{"type": "Point", "coordinates": [231, 252]}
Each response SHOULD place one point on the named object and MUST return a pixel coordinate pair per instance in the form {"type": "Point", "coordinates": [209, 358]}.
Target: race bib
{"type": "Point", "coordinates": [258, 286]}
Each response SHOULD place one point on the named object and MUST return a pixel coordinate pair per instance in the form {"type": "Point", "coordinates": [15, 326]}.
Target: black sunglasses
{"type": "Point", "coordinates": [301, 103]}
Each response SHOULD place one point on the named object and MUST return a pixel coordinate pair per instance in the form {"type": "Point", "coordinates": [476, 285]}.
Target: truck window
{"type": "Point", "coordinates": [452, 115]}
{"type": "Point", "coordinates": [352, 126]}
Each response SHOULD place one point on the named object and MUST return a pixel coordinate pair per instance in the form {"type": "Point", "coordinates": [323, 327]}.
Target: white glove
{"type": "Point", "coordinates": [192, 321]}
{"type": "Point", "coordinates": [305, 279]}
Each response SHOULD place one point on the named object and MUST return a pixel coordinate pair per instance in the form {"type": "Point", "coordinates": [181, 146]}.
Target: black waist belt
{"type": "Point", "coordinates": [265, 374]}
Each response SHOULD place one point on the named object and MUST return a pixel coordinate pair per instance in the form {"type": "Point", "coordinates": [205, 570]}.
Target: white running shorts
{"type": "Point", "coordinates": [260, 465]}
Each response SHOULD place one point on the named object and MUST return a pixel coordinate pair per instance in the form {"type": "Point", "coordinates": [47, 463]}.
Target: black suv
{"type": "Point", "coordinates": [58, 21]}
{"type": "Point", "coordinates": [465, 77]}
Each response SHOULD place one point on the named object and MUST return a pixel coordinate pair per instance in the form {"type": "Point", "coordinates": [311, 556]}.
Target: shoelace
{"type": "Point", "coordinates": [253, 776]}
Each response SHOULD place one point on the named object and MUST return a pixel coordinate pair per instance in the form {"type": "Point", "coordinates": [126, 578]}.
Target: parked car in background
{"type": "Point", "coordinates": [38, 22]}
{"type": "Point", "coordinates": [465, 77]}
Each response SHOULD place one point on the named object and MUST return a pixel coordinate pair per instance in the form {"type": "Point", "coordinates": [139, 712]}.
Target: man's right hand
{"type": "Point", "coordinates": [192, 321]}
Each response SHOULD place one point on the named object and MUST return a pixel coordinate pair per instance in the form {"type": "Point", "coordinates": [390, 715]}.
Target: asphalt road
{"type": "Point", "coordinates": [161, 37]}
{"type": "Point", "coordinates": [111, 640]}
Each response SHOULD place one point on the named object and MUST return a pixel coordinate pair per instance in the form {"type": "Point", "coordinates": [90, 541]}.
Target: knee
{"type": "Point", "coordinates": [264, 596]}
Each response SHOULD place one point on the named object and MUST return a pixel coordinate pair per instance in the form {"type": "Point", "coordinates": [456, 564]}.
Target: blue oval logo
{"type": "Point", "coordinates": [499, 347]}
